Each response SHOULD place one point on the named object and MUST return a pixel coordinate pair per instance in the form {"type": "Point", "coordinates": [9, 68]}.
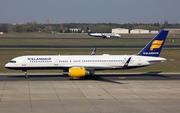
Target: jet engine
{"type": "Point", "coordinates": [78, 72]}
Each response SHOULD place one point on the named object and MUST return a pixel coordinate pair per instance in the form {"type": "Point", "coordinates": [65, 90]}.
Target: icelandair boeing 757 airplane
{"type": "Point", "coordinates": [84, 65]}
{"type": "Point", "coordinates": [103, 35]}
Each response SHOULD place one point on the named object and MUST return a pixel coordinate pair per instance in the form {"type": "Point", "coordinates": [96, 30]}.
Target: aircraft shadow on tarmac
{"type": "Point", "coordinates": [111, 78]}
{"type": "Point", "coordinates": [141, 75]}
{"type": "Point", "coordinates": [57, 77]}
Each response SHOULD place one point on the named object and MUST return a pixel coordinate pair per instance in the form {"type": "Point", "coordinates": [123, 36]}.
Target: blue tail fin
{"type": "Point", "coordinates": [153, 48]}
{"type": "Point", "coordinates": [89, 30]}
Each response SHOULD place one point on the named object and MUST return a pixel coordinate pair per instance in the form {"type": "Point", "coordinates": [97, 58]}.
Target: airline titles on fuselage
{"type": "Point", "coordinates": [39, 59]}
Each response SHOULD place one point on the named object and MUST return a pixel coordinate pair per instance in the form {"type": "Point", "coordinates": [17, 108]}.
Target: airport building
{"type": "Point", "coordinates": [139, 31]}
{"type": "Point", "coordinates": [174, 31]}
{"type": "Point", "coordinates": [120, 31]}
{"type": "Point", "coordinates": [1, 33]}
{"type": "Point", "coordinates": [75, 30]}
{"type": "Point", "coordinates": [154, 32]}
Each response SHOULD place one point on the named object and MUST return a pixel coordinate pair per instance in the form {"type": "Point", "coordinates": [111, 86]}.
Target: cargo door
{"type": "Point", "coordinates": [56, 62]}
{"type": "Point", "coordinates": [24, 62]}
{"type": "Point", "coordinates": [139, 62]}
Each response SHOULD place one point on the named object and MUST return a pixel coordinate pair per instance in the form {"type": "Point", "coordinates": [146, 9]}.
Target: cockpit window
{"type": "Point", "coordinates": [12, 61]}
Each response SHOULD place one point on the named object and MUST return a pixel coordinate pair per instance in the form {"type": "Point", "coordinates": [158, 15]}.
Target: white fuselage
{"type": "Point", "coordinates": [96, 62]}
{"type": "Point", "coordinates": [107, 35]}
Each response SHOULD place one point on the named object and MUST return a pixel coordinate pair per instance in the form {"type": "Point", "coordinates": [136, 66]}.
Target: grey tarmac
{"type": "Point", "coordinates": [54, 93]}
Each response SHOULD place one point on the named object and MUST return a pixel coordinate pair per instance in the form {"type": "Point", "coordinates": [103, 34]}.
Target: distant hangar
{"type": "Point", "coordinates": [133, 31]}
{"type": "Point", "coordinates": [120, 31]}
{"type": "Point", "coordinates": [174, 31]}
{"type": "Point", "coordinates": [143, 31]}
{"type": "Point", "coordinates": [139, 31]}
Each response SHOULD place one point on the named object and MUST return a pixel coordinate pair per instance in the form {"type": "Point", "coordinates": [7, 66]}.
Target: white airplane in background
{"type": "Point", "coordinates": [103, 35]}
{"type": "Point", "coordinates": [84, 65]}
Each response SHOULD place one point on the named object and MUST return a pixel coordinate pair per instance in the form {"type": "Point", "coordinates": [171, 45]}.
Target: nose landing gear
{"type": "Point", "coordinates": [25, 73]}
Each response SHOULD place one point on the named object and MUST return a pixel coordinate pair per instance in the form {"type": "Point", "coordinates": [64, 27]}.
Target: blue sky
{"type": "Point", "coordinates": [90, 11]}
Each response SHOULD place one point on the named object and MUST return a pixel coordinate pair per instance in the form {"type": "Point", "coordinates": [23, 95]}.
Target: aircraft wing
{"type": "Point", "coordinates": [105, 36]}
{"type": "Point", "coordinates": [98, 66]}
{"type": "Point", "coordinates": [88, 67]}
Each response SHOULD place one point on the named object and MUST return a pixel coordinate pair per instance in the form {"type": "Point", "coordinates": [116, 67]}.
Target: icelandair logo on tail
{"type": "Point", "coordinates": [156, 44]}
{"type": "Point", "coordinates": [89, 31]}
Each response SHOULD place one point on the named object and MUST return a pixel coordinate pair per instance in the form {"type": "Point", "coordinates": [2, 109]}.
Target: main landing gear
{"type": "Point", "coordinates": [92, 76]}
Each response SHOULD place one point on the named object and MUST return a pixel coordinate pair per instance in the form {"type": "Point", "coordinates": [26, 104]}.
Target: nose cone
{"type": "Point", "coordinates": [7, 65]}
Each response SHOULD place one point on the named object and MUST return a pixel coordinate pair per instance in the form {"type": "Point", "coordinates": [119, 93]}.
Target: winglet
{"type": "Point", "coordinates": [153, 48]}
{"type": "Point", "coordinates": [94, 51]}
{"type": "Point", "coordinates": [127, 63]}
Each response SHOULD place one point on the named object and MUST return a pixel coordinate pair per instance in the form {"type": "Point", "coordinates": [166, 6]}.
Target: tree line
{"type": "Point", "coordinates": [65, 27]}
